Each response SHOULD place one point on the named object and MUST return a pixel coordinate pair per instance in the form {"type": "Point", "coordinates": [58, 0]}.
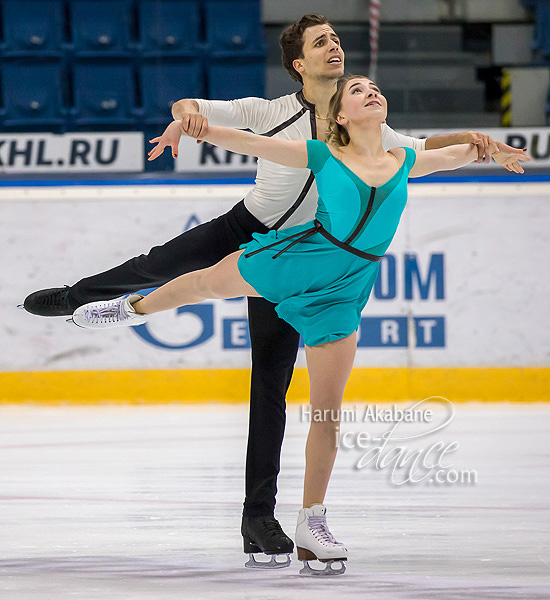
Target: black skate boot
{"type": "Point", "coordinates": [264, 534]}
{"type": "Point", "coordinates": [53, 302]}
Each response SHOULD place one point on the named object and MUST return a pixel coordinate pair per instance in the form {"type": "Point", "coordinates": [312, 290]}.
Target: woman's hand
{"type": "Point", "coordinates": [170, 137]}
{"type": "Point", "coordinates": [509, 157]}
{"type": "Point", "coordinates": [193, 125]}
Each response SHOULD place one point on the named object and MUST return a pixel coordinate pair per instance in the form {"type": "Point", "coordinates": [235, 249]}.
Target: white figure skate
{"type": "Point", "coordinates": [315, 542]}
{"type": "Point", "coordinates": [104, 315]}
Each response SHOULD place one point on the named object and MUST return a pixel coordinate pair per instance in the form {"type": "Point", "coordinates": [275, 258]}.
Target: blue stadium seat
{"type": "Point", "coordinates": [230, 78]}
{"type": "Point", "coordinates": [101, 27]}
{"type": "Point", "coordinates": [104, 92]}
{"type": "Point", "coordinates": [541, 38]}
{"type": "Point", "coordinates": [32, 93]}
{"type": "Point", "coordinates": [32, 27]}
{"type": "Point", "coordinates": [234, 27]}
{"type": "Point", "coordinates": [542, 28]}
{"type": "Point", "coordinates": [163, 83]}
{"type": "Point", "coordinates": [169, 27]}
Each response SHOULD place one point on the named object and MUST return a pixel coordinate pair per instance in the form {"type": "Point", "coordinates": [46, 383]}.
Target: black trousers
{"type": "Point", "coordinates": [274, 342]}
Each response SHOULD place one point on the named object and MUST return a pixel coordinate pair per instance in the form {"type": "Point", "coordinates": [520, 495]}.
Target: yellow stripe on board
{"type": "Point", "coordinates": [506, 98]}
{"type": "Point", "coordinates": [232, 385]}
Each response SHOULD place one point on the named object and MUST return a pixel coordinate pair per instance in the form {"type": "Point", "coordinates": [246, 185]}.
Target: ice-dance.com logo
{"type": "Point", "coordinates": [398, 440]}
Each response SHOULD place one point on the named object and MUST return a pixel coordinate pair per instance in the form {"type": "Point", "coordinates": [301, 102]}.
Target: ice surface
{"type": "Point", "coordinates": [136, 503]}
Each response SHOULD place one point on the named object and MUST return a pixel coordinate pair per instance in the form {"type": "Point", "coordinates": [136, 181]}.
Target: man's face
{"type": "Point", "coordinates": [323, 57]}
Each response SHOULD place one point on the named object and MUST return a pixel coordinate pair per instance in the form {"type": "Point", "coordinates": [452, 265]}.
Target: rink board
{"type": "Point", "coordinates": [232, 385]}
{"type": "Point", "coordinates": [460, 307]}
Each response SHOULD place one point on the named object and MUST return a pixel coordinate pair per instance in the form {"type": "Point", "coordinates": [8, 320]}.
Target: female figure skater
{"type": "Point", "coordinates": [319, 274]}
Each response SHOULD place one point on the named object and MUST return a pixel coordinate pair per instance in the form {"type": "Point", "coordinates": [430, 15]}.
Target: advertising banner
{"type": "Point", "coordinates": [535, 139]}
{"type": "Point", "coordinates": [205, 158]}
{"type": "Point", "coordinates": [71, 153]}
{"type": "Point", "coordinates": [464, 283]}
{"type": "Point", "coordinates": [85, 152]}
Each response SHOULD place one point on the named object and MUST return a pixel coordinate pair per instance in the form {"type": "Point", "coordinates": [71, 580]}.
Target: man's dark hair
{"type": "Point", "coordinates": [292, 43]}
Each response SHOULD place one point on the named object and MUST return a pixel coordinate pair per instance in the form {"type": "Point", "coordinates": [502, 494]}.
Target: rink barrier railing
{"type": "Point", "coordinates": [187, 181]}
{"type": "Point", "coordinates": [232, 385]}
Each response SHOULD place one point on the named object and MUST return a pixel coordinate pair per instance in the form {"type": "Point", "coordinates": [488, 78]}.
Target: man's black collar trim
{"type": "Point", "coordinates": [302, 100]}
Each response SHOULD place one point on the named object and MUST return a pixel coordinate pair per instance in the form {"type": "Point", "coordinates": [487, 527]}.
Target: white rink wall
{"type": "Point", "coordinates": [464, 284]}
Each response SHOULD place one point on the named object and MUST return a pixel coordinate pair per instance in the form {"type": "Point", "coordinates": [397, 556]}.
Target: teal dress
{"type": "Point", "coordinates": [320, 274]}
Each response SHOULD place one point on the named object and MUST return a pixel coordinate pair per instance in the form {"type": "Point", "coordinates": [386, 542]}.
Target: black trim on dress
{"type": "Point", "coordinates": [317, 228]}
{"type": "Point", "coordinates": [364, 218]}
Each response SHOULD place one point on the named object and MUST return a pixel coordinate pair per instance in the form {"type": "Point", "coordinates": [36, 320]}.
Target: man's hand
{"type": "Point", "coordinates": [483, 143]}
{"type": "Point", "coordinates": [194, 125]}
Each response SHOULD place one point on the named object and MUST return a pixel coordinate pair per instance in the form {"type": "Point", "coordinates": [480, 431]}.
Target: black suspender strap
{"type": "Point", "coordinates": [296, 204]}
{"type": "Point", "coordinates": [285, 124]}
{"type": "Point", "coordinates": [311, 107]}
{"type": "Point", "coordinates": [306, 106]}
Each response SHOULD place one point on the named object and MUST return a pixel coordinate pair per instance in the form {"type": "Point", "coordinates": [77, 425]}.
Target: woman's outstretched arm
{"type": "Point", "coordinates": [454, 157]}
{"type": "Point", "coordinates": [445, 159]}
{"type": "Point", "coordinates": [283, 152]}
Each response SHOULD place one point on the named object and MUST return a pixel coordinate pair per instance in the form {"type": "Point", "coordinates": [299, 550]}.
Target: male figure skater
{"type": "Point", "coordinates": [282, 197]}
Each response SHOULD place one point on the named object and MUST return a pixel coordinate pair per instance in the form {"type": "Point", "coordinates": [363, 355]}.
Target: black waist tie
{"type": "Point", "coordinates": [318, 228]}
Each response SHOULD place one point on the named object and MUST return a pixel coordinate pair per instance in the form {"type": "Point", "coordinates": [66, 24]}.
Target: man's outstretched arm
{"type": "Point", "coordinates": [508, 157]}
{"type": "Point", "coordinates": [184, 106]}
{"type": "Point", "coordinates": [256, 114]}
{"type": "Point", "coordinates": [482, 142]}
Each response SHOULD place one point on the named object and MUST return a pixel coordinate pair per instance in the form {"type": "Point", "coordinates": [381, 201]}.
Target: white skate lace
{"type": "Point", "coordinates": [109, 313]}
{"type": "Point", "coordinates": [320, 530]}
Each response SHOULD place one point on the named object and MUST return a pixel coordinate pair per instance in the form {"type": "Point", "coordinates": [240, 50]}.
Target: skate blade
{"type": "Point", "coordinates": [22, 307]}
{"type": "Point", "coordinates": [328, 571]}
{"type": "Point", "coordinates": [273, 563]}
{"type": "Point", "coordinates": [71, 320]}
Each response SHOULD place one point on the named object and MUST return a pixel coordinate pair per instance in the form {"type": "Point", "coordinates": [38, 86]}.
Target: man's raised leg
{"type": "Point", "coordinates": [197, 248]}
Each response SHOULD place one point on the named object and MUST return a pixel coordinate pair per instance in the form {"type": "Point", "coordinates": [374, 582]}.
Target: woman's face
{"type": "Point", "coordinates": [362, 101]}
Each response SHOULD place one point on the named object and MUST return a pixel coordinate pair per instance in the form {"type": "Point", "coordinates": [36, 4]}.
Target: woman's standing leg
{"type": "Point", "coordinates": [329, 366]}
